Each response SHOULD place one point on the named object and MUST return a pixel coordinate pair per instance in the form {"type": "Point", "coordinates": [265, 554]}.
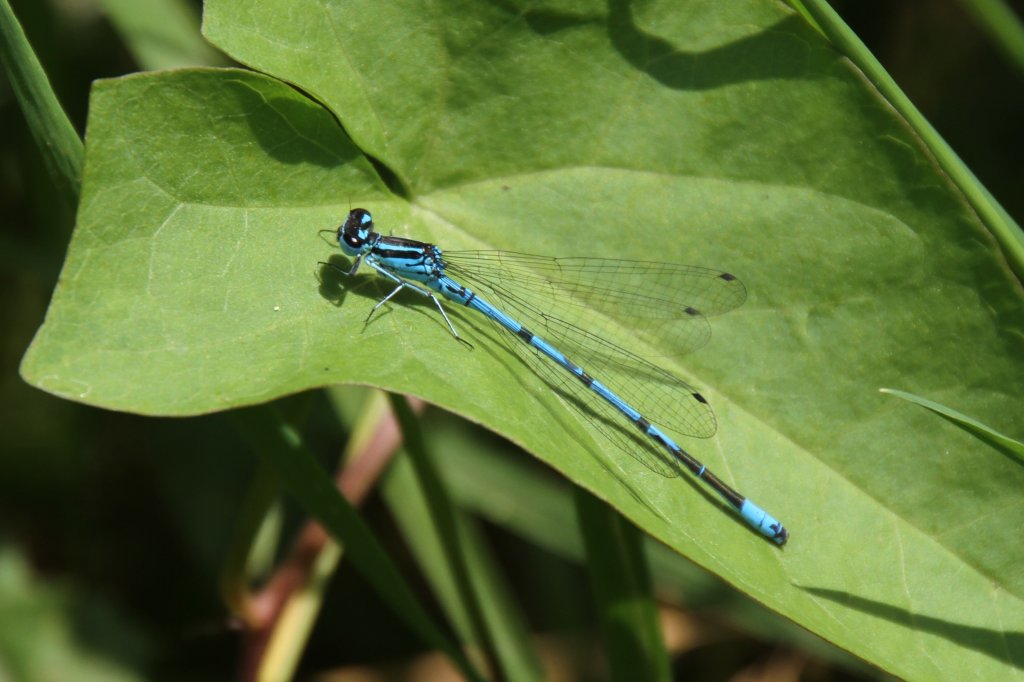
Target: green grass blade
{"type": "Point", "coordinates": [292, 628]}
{"type": "Point", "coordinates": [1004, 443]}
{"type": "Point", "coordinates": [254, 540]}
{"type": "Point", "coordinates": [504, 626]}
{"type": "Point", "coordinates": [314, 490]}
{"type": "Point", "coordinates": [1002, 225]}
{"type": "Point", "coordinates": [999, 20]}
{"type": "Point", "coordinates": [473, 595]}
{"type": "Point", "coordinates": [58, 143]}
{"type": "Point", "coordinates": [502, 610]}
{"type": "Point", "coordinates": [443, 528]}
{"type": "Point", "coordinates": [622, 592]}
{"type": "Point", "coordinates": [162, 34]}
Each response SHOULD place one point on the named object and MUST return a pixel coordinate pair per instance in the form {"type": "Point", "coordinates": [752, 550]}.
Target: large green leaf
{"type": "Point", "coordinates": [720, 134]}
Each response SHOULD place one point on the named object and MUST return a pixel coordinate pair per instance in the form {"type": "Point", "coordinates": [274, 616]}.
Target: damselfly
{"type": "Point", "coordinates": [659, 303]}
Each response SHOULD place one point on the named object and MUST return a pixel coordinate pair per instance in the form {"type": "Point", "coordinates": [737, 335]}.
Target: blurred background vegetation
{"type": "Point", "coordinates": [114, 529]}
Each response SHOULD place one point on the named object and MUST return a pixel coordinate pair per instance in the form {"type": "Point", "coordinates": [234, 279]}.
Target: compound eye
{"type": "Point", "coordinates": [359, 219]}
{"type": "Point", "coordinates": [357, 227]}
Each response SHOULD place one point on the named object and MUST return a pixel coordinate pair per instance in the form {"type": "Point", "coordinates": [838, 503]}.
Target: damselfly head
{"type": "Point", "coordinates": [355, 231]}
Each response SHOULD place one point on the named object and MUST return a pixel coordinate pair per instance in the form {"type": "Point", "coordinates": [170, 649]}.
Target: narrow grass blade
{"type": "Point", "coordinates": [162, 34]}
{"type": "Point", "coordinates": [1002, 25]}
{"type": "Point", "coordinates": [1003, 226]}
{"type": "Point", "coordinates": [314, 490]}
{"type": "Point", "coordinates": [443, 540]}
{"type": "Point", "coordinates": [59, 144]}
{"type": "Point", "coordinates": [622, 589]}
{"type": "Point", "coordinates": [986, 433]}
